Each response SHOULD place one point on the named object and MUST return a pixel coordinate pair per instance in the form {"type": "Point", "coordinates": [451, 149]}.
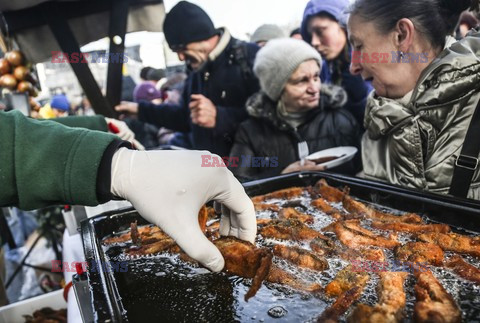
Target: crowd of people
{"type": "Point", "coordinates": [279, 100]}
{"type": "Point", "coordinates": [386, 77]}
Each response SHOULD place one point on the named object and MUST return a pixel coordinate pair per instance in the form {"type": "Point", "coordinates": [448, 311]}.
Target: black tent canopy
{"type": "Point", "coordinates": [41, 27]}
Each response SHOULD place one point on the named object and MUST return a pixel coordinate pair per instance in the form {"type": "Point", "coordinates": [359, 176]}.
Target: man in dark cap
{"type": "Point", "coordinates": [219, 82]}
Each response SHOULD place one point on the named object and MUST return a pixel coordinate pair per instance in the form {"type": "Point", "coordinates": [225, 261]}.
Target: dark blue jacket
{"type": "Point", "coordinates": [227, 81]}
{"type": "Point", "coordinates": [337, 72]}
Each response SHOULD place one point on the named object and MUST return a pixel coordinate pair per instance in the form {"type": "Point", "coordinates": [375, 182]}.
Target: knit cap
{"type": "Point", "coordinates": [266, 32]}
{"type": "Point", "coordinates": [146, 91]}
{"type": "Point", "coordinates": [60, 102]}
{"type": "Point", "coordinates": [277, 60]}
{"type": "Point", "coordinates": [187, 23]}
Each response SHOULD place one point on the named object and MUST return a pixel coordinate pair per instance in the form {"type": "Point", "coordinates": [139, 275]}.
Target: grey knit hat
{"type": "Point", "coordinates": [267, 32]}
{"type": "Point", "coordinates": [277, 60]}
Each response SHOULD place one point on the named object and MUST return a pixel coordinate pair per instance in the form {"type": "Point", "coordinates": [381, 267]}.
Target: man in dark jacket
{"type": "Point", "coordinates": [219, 82]}
{"type": "Point", "coordinates": [324, 27]}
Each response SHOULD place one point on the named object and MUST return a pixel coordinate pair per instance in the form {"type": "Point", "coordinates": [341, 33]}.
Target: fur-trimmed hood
{"type": "Point", "coordinates": [261, 106]}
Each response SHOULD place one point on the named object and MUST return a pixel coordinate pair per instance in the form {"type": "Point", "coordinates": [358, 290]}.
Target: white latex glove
{"type": "Point", "coordinates": [120, 128]}
{"type": "Point", "coordinates": [137, 145]}
{"type": "Point", "coordinates": [168, 188]}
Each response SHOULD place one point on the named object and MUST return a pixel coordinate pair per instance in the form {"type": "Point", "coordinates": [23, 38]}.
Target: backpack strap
{"type": "Point", "coordinates": [467, 162]}
{"type": "Point", "coordinates": [240, 54]}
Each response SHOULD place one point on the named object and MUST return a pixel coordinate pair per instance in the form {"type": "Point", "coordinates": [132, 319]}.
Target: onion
{"type": "Point", "coordinates": [24, 86]}
{"type": "Point", "coordinates": [15, 57]}
{"type": "Point", "coordinates": [21, 73]}
{"type": "Point", "coordinates": [9, 81]}
{"type": "Point", "coordinates": [4, 66]}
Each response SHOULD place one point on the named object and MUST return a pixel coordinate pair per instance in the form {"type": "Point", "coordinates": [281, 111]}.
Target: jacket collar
{"type": "Point", "coordinates": [221, 46]}
{"type": "Point", "coordinates": [261, 106]}
{"type": "Point", "coordinates": [384, 116]}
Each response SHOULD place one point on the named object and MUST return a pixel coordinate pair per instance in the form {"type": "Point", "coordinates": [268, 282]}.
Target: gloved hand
{"type": "Point", "coordinates": [121, 129]}
{"type": "Point", "coordinates": [168, 188]}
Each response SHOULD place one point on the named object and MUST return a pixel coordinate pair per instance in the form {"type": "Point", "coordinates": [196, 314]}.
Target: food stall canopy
{"type": "Point", "coordinates": [41, 27]}
{"type": "Point", "coordinates": [88, 20]}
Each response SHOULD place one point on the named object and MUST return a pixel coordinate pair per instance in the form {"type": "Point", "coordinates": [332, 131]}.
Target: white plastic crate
{"type": "Point", "coordinates": [13, 313]}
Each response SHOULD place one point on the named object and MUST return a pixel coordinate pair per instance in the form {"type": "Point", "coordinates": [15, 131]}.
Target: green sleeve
{"type": "Point", "coordinates": [45, 163]}
{"type": "Point", "coordinates": [89, 122]}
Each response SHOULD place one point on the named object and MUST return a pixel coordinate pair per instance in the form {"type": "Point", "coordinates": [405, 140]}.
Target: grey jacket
{"type": "Point", "coordinates": [416, 144]}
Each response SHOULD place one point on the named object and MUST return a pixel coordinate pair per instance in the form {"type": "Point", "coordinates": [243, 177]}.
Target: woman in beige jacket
{"type": "Point", "coordinates": [427, 87]}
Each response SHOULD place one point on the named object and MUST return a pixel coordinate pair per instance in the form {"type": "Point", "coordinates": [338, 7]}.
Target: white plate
{"type": "Point", "coordinates": [344, 154]}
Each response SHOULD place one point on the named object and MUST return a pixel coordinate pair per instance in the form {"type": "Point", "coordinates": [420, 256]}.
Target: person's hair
{"type": "Point", "coordinates": [144, 72]}
{"type": "Point", "coordinates": [434, 18]}
{"type": "Point", "coordinates": [295, 31]}
{"type": "Point", "coordinates": [324, 14]}
{"type": "Point", "coordinates": [155, 74]}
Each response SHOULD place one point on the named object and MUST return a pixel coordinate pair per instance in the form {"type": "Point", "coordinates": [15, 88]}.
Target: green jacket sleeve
{"type": "Point", "coordinates": [45, 163]}
{"type": "Point", "coordinates": [89, 122]}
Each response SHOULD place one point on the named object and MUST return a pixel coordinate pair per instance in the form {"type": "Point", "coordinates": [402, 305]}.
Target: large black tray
{"type": "Point", "coordinates": [107, 300]}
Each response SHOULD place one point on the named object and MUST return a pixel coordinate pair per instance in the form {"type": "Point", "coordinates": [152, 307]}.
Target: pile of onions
{"type": "Point", "coordinates": [16, 76]}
